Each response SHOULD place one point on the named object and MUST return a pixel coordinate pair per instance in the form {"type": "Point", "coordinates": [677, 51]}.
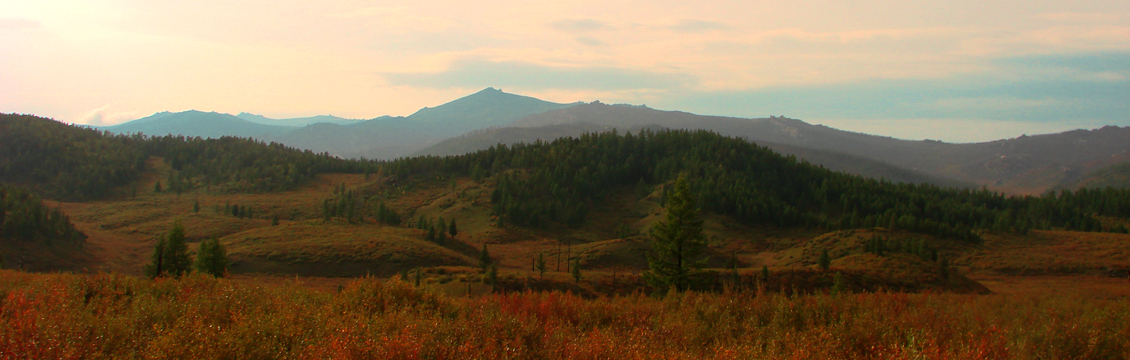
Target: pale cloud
{"type": "Point", "coordinates": [103, 116]}
{"type": "Point", "coordinates": [696, 26]}
{"type": "Point", "coordinates": [580, 25]}
{"type": "Point", "coordinates": [479, 73]}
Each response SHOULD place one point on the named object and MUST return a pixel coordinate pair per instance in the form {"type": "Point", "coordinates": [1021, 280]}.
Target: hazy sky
{"type": "Point", "coordinates": [959, 70]}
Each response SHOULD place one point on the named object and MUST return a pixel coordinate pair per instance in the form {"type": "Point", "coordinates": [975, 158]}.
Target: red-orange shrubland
{"type": "Point", "coordinates": [108, 315]}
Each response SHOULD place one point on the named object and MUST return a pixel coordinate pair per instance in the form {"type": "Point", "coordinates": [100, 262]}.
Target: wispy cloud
{"type": "Point", "coordinates": [480, 73]}
{"type": "Point", "coordinates": [103, 116]}
{"type": "Point", "coordinates": [696, 26]}
{"type": "Point", "coordinates": [580, 25]}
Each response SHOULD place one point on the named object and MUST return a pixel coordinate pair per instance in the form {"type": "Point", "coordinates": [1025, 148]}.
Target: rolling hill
{"type": "Point", "coordinates": [197, 123]}
{"type": "Point", "coordinates": [1024, 165]}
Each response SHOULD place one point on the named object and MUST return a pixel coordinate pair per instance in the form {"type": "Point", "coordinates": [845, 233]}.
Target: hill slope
{"type": "Point", "coordinates": [1026, 165]}
{"type": "Point", "coordinates": [390, 137]}
{"type": "Point", "coordinates": [197, 123]}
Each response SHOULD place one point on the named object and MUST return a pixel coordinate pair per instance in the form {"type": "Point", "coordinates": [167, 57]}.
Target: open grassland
{"type": "Point", "coordinates": [1050, 253]}
{"type": "Point", "coordinates": [113, 316]}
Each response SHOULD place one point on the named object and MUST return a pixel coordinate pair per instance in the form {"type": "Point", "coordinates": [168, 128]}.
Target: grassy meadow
{"type": "Point", "coordinates": [301, 288]}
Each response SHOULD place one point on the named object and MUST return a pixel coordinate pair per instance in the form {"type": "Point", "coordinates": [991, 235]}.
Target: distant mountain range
{"type": "Point", "coordinates": [297, 122]}
{"type": "Point", "coordinates": [199, 123]}
{"type": "Point", "coordinates": [1024, 165]}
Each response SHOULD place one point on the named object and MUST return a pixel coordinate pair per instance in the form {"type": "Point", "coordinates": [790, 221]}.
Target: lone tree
{"type": "Point", "coordinates": [677, 240]}
{"type": "Point", "coordinates": [825, 260]}
{"type": "Point", "coordinates": [541, 264]}
{"type": "Point", "coordinates": [576, 270]}
{"type": "Point", "coordinates": [484, 258]}
{"type": "Point", "coordinates": [211, 258]}
{"type": "Point", "coordinates": [156, 266]}
{"type": "Point", "coordinates": [452, 229]}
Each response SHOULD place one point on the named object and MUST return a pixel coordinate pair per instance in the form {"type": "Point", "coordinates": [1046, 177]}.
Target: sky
{"type": "Point", "coordinates": [959, 71]}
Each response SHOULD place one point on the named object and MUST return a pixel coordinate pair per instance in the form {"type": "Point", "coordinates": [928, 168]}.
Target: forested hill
{"type": "Point", "coordinates": [557, 183]}
{"type": "Point", "coordinates": [69, 162]}
{"type": "Point", "coordinates": [65, 161]}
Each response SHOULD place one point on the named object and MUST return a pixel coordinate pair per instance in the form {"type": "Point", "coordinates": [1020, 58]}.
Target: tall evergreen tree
{"type": "Point", "coordinates": [176, 261]}
{"type": "Point", "coordinates": [825, 260]}
{"type": "Point", "coordinates": [211, 258]}
{"type": "Point", "coordinates": [677, 240]}
{"type": "Point", "coordinates": [576, 270]}
{"type": "Point", "coordinates": [492, 276]}
{"type": "Point", "coordinates": [484, 258]}
{"type": "Point", "coordinates": [541, 264]}
{"type": "Point", "coordinates": [156, 266]}
{"type": "Point", "coordinates": [452, 229]}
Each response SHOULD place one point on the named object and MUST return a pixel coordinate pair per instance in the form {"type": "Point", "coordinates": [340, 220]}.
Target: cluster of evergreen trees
{"type": "Point", "coordinates": [345, 204]}
{"type": "Point", "coordinates": [24, 217]}
{"type": "Point", "coordinates": [170, 256]}
{"type": "Point", "coordinates": [438, 230]}
{"type": "Point", "coordinates": [542, 184]}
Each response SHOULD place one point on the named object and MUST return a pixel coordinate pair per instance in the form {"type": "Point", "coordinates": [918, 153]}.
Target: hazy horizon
{"type": "Point", "coordinates": [959, 71]}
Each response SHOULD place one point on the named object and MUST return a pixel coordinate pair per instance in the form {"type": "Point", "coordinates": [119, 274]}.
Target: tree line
{"type": "Point", "coordinates": [24, 217]}
{"type": "Point", "coordinates": [546, 184]}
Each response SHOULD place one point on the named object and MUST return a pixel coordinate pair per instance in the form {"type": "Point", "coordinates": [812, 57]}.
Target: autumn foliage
{"type": "Point", "coordinates": [107, 315]}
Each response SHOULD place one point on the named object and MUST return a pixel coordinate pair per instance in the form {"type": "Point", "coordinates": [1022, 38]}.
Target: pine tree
{"type": "Point", "coordinates": [156, 267]}
{"type": "Point", "coordinates": [211, 258]}
{"type": "Point", "coordinates": [733, 266]}
{"type": "Point", "coordinates": [492, 276]}
{"type": "Point", "coordinates": [825, 260]}
{"type": "Point", "coordinates": [576, 270]}
{"type": "Point", "coordinates": [431, 234]}
{"type": "Point", "coordinates": [175, 259]}
{"type": "Point", "coordinates": [541, 264]}
{"type": "Point", "coordinates": [838, 284]}
{"type": "Point", "coordinates": [677, 240]}
{"type": "Point", "coordinates": [452, 229]}
{"type": "Point", "coordinates": [484, 258]}
{"type": "Point", "coordinates": [157, 187]}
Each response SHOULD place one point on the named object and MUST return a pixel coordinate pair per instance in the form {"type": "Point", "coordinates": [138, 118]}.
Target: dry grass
{"type": "Point", "coordinates": [112, 316]}
{"type": "Point", "coordinates": [1049, 253]}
